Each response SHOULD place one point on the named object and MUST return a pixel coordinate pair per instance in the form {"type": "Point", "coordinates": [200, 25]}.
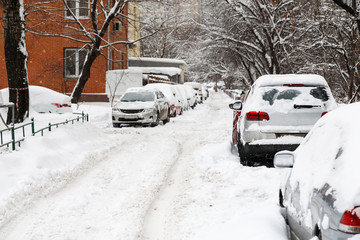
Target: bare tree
{"type": "Point", "coordinates": [352, 7]}
{"type": "Point", "coordinates": [90, 33]}
{"type": "Point", "coordinates": [16, 58]}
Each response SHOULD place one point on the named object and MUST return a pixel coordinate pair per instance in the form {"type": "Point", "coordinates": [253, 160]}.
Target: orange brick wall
{"type": "Point", "coordinates": [46, 63]}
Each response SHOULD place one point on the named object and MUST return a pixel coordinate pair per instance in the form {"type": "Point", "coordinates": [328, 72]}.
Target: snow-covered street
{"type": "Point", "coordinates": [175, 181]}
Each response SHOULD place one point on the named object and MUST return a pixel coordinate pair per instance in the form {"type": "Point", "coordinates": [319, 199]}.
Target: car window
{"type": "Point", "coordinates": [320, 93]}
{"type": "Point", "coordinates": [310, 93]}
{"type": "Point", "coordinates": [138, 97]}
{"type": "Point", "coordinates": [160, 95]}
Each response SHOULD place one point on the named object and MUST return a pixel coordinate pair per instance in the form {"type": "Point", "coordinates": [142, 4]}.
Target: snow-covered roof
{"type": "Point", "coordinates": [170, 71]}
{"type": "Point", "coordinates": [280, 79]}
{"type": "Point", "coordinates": [160, 60]}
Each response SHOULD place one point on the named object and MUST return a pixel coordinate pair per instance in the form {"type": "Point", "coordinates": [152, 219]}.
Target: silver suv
{"type": "Point", "coordinates": [278, 112]}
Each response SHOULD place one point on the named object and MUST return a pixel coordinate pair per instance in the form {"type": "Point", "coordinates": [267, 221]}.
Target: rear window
{"type": "Point", "coordinates": [308, 94]}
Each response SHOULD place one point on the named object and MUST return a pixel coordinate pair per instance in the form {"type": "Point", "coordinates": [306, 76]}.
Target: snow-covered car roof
{"type": "Point", "coordinates": [166, 89]}
{"type": "Point", "coordinates": [329, 154]}
{"type": "Point", "coordinates": [280, 79]}
{"type": "Point", "coordinates": [43, 99]}
{"type": "Point", "coordinates": [139, 89]}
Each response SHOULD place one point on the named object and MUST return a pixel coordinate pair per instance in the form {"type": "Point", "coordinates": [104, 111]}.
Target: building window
{"type": "Point", "coordinates": [80, 8]}
{"type": "Point", "coordinates": [73, 62]}
{"type": "Point", "coordinates": [116, 59]}
{"type": "Point", "coordinates": [117, 27]}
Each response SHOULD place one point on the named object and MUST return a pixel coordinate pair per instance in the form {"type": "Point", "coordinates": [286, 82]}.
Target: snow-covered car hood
{"type": "Point", "coordinates": [134, 105]}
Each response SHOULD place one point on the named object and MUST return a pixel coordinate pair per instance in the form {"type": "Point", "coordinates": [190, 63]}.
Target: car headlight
{"type": "Point", "coordinates": [148, 110]}
{"type": "Point", "coordinates": [116, 110]}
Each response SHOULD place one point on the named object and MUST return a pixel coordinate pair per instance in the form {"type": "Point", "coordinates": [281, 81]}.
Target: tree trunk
{"type": "Point", "coordinates": [84, 76]}
{"type": "Point", "coordinates": [16, 58]}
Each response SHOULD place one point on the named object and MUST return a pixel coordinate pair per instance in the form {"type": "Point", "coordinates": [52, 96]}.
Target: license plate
{"type": "Point", "coordinates": [131, 117]}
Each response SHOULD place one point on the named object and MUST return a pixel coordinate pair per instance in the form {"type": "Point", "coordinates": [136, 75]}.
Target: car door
{"type": "Point", "coordinates": [297, 219]}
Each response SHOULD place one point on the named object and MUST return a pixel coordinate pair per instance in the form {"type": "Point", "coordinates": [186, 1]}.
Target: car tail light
{"type": "Point", "coordinates": [57, 105]}
{"type": "Point", "coordinates": [257, 116]}
{"type": "Point", "coordinates": [324, 113]}
{"type": "Point", "coordinates": [350, 221]}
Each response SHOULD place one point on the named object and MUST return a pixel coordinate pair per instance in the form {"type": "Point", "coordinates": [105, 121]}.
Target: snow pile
{"type": "Point", "coordinates": [46, 164]}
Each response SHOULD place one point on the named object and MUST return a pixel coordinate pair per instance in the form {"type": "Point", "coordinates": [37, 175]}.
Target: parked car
{"type": "Point", "coordinates": [278, 112]}
{"type": "Point", "coordinates": [171, 95]}
{"type": "Point", "coordinates": [321, 193]}
{"type": "Point", "coordinates": [184, 95]}
{"type": "Point", "coordinates": [197, 87]}
{"type": "Point", "coordinates": [141, 106]}
{"type": "Point", "coordinates": [43, 100]}
{"type": "Point", "coordinates": [191, 95]}
{"type": "Point", "coordinates": [179, 97]}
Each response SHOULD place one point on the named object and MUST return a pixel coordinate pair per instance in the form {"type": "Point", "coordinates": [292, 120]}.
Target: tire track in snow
{"type": "Point", "coordinates": [175, 186]}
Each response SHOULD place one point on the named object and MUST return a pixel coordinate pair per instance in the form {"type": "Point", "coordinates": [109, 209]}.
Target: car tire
{"type": "Point", "coordinates": [167, 117]}
{"type": "Point", "coordinates": [281, 199]}
{"type": "Point", "coordinates": [157, 120]}
{"type": "Point", "coordinates": [116, 125]}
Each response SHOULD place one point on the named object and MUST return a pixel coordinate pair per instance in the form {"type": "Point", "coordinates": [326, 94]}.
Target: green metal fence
{"type": "Point", "coordinates": [17, 140]}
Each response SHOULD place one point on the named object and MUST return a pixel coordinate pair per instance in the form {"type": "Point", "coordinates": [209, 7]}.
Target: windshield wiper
{"type": "Point", "coordinates": [296, 106]}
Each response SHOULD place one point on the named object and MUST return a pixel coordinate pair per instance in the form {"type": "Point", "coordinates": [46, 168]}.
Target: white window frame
{"type": "Point", "coordinates": [77, 10]}
{"type": "Point", "coordinates": [77, 62]}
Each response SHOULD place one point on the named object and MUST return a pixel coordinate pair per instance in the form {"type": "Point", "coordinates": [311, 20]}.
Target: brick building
{"type": "Point", "coordinates": [55, 62]}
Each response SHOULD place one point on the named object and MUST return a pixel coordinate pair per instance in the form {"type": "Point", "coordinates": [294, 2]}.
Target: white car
{"type": "Point", "coordinates": [278, 112]}
{"type": "Point", "coordinates": [197, 87]}
{"type": "Point", "coordinates": [140, 106]}
{"type": "Point", "coordinates": [321, 194]}
{"type": "Point", "coordinates": [171, 94]}
{"type": "Point", "coordinates": [43, 100]}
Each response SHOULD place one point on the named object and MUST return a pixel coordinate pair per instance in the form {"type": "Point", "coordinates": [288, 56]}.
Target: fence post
{"type": "Point", "coordinates": [49, 127]}
{"type": "Point", "coordinates": [82, 116]}
{"type": "Point", "coordinates": [13, 136]}
{"type": "Point", "coordinates": [32, 126]}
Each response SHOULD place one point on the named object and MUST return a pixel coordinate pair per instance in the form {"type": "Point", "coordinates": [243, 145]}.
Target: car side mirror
{"type": "Point", "coordinates": [236, 106]}
{"type": "Point", "coordinates": [284, 159]}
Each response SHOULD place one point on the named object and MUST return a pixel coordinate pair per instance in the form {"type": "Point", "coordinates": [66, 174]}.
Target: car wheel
{"type": "Point", "coordinates": [318, 233]}
{"type": "Point", "coordinates": [116, 125]}
{"type": "Point", "coordinates": [157, 120]}
{"type": "Point", "coordinates": [167, 117]}
{"type": "Point", "coordinates": [281, 199]}
{"type": "Point", "coordinates": [320, 236]}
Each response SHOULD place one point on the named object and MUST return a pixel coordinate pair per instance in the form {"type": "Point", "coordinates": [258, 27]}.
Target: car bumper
{"type": "Point", "coordinates": [336, 234]}
{"type": "Point", "coordinates": [140, 118]}
{"type": "Point", "coordinates": [266, 151]}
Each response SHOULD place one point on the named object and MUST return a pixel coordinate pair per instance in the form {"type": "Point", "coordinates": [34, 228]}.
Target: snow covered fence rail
{"type": "Point", "coordinates": [12, 130]}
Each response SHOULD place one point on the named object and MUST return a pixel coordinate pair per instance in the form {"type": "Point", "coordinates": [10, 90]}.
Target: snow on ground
{"type": "Point", "coordinates": [174, 181]}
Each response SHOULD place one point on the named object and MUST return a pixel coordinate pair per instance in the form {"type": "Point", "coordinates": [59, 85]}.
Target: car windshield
{"type": "Point", "coordinates": [302, 94]}
{"type": "Point", "coordinates": [138, 97]}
